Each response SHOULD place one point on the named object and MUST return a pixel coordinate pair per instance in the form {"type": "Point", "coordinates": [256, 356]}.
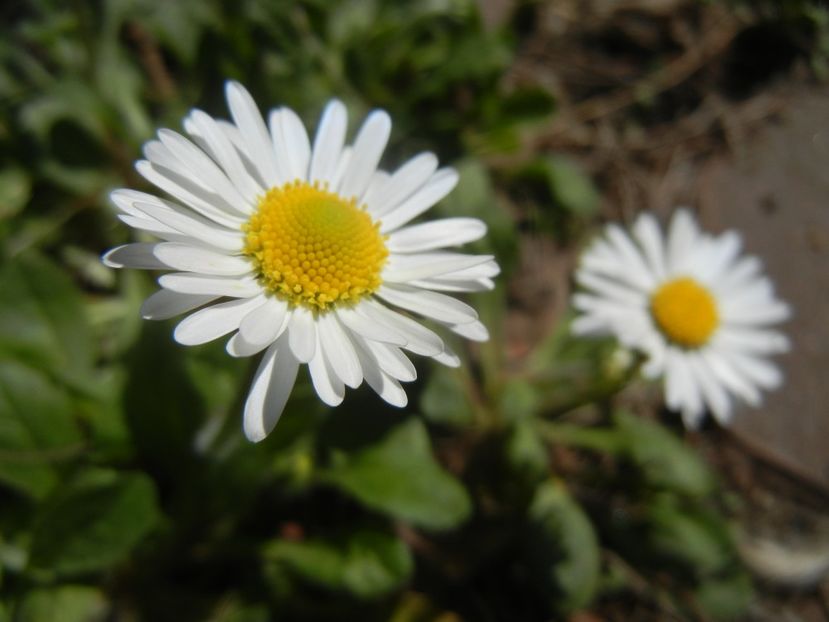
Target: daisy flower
{"type": "Point", "coordinates": [304, 250]}
{"type": "Point", "coordinates": [698, 310]}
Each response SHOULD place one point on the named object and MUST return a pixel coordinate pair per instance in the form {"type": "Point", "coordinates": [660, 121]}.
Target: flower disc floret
{"type": "Point", "coordinates": [685, 312]}
{"type": "Point", "coordinates": [314, 248]}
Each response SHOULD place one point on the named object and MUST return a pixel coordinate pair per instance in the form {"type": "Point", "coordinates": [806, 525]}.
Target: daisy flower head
{"type": "Point", "coordinates": [304, 250]}
{"type": "Point", "coordinates": [698, 310]}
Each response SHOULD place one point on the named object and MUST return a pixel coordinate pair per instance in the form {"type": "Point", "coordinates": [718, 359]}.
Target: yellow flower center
{"type": "Point", "coordinates": [685, 312]}
{"type": "Point", "coordinates": [312, 247]}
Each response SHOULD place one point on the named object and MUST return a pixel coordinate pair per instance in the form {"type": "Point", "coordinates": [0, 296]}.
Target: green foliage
{"type": "Point", "coordinates": [68, 603]}
{"type": "Point", "coordinates": [365, 563]}
{"type": "Point", "coordinates": [92, 522]}
{"type": "Point", "coordinates": [567, 548]}
{"type": "Point", "coordinates": [399, 476]}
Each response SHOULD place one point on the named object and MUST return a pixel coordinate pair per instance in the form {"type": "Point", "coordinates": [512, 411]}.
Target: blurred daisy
{"type": "Point", "coordinates": [305, 251]}
{"type": "Point", "coordinates": [699, 311]}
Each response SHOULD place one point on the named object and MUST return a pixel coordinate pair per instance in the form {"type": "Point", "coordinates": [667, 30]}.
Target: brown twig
{"type": "Point", "coordinates": [153, 62]}
{"type": "Point", "coordinates": [671, 75]}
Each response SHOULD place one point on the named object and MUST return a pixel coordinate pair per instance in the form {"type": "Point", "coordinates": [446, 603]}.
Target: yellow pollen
{"type": "Point", "coordinates": [685, 312]}
{"type": "Point", "coordinates": [313, 248]}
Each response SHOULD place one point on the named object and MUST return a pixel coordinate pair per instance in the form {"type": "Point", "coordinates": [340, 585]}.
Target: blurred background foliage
{"type": "Point", "coordinates": [512, 488]}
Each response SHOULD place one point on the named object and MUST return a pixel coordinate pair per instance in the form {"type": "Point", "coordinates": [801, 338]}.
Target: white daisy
{"type": "Point", "coordinates": [698, 310]}
{"type": "Point", "coordinates": [305, 251]}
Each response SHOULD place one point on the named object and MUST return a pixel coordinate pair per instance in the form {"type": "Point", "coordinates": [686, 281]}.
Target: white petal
{"type": "Point", "coordinates": [428, 304]}
{"type": "Point", "coordinates": [751, 340]}
{"type": "Point", "coordinates": [485, 270]}
{"type": "Point", "coordinates": [734, 380]}
{"type": "Point", "coordinates": [205, 261]}
{"type": "Point", "coordinates": [369, 144]}
{"type": "Point", "coordinates": [138, 255]}
{"type": "Point", "coordinates": [237, 347]}
{"type": "Point", "coordinates": [402, 268]}
{"type": "Point", "coordinates": [713, 393]}
{"type": "Point", "coordinates": [612, 290]}
{"type": "Point", "coordinates": [225, 154]}
{"type": "Point", "coordinates": [328, 142]}
{"type": "Point", "coordinates": [175, 177]}
{"type": "Point", "coordinates": [682, 236]}
{"type": "Point", "coordinates": [419, 339]}
{"type": "Point", "coordinates": [405, 180]}
{"type": "Point", "coordinates": [390, 359]}
{"type": "Point", "coordinates": [630, 258]}
{"type": "Point", "coordinates": [290, 142]}
{"type": "Point", "coordinates": [202, 201]}
{"type": "Point", "coordinates": [198, 229]}
{"type": "Point", "coordinates": [235, 137]}
{"type": "Point", "coordinates": [744, 271]}
{"type": "Point", "coordinates": [443, 284]}
{"type": "Point", "coordinates": [374, 192]}
{"type": "Point", "coordinates": [474, 331]}
{"type": "Point", "coordinates": [203, 168]}
{"type": "Point", "coordinates": [254, 133]}
{"type": "Point", "coordinates": [385, 386]}
{"type": "Point", "coordinates": [436, 234]}
{"type": "Point", "coordinates": [339, 173]}
{"type": "Point", "coordinates": [214, 321]}
{"type": "Point", "coordinates": [265, 323]}
{"type": "Point", "coordinates": [326, 383]}
{"type": "Point", "coordinates": [364, 327]}
{"type": "Point", "coordinates": [758, 370]}
{"type": "Point", "coordinates": [721, 254]}
{"type": "Point", "coordinates": [648, 235]}
{"type": "Point", "coordinates": [448, 358]}
{"type": "Point", "coordinates": [270, 390]}
{"type": "Point", "coordinates": [438, 186]}
{"type": "Point", "coordinates": [189, 283]}
{"type": "Point", "coordinates": [165, 304]}
{"type": "Point", "coordinates": [154, 227]}
{"type": "Point", "coordinates": [748, 313]}
{"type": "Point", "coordinates": [302, 334]}
{"type": "Point", "coordinates": [339, 350]}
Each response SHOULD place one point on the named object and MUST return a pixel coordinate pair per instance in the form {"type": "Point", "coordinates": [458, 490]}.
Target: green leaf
{"type": "Point", "coordinates": [15, 190]}
{"type": "Point", "coordinates": [692, 536]}
{"type": "Point", "coordinates": [93, 522]}
{"type": "Point", "coordinates": [444, 400]}
{"type": "Point", "coordinates": [366, 563]}
{"type": "Point", "coordinates": [37, 429]}
{"type": "Point", "coordinates": [726, 598]}
{"type": "Point", "coordinates": [563, 181]}
{"type": "Point", "coordinates": [42, 320]}
{"type": "Point", "coordinates": [69, 99]}
{"type": "Point", "coordinates": [664, 460]}
{"type": "Point", "coordinates": [398, 475]}
{"type": "Point", "coordinates": [67, 603]}
{"type": "Point", "coordinates": [519, 400]}
{"type": "Point", "coordinates": [564, 547]}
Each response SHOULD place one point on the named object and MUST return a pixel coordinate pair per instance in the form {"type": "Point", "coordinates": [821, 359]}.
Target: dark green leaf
{"type": "Point", "coordinates": [444, 399]}
{"type": "Point", "coordinates": [564, 548]}
{"type": "Point", "coordinates": [66, 603]}
{"type": "Point", "coordinates": [366, 563]}
{"type": "Point", "coordinates": [692, 536]}
{"type": "Point", "coordinates": [42, 319]}
{"type": "Point", "coordinates": [726, 598]}
{"type": "Point", "coordinates": [399, 476]}
{"type": "Point", "coordinates": [93, 522]}
{"type": "Point", "coordinates": [15, 190]}
{"type": "Point", "coordinates": [37, 429]}
{"type": "Point", "coordinates": [665, 461]}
